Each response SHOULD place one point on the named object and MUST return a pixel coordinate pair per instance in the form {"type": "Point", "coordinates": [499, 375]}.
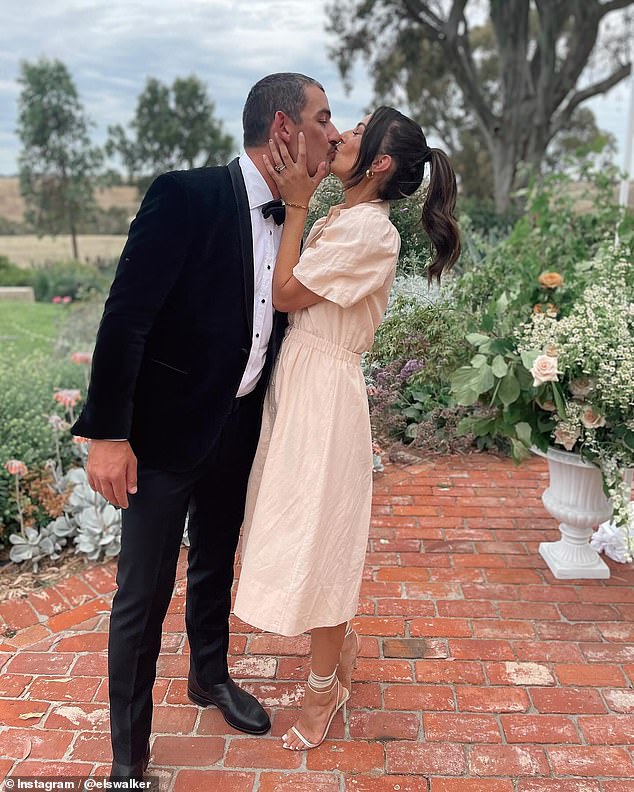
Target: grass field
{"type": "Point", "coordinates": [29, 327]}
{"type": "Point", "coordinates": [29, 250]}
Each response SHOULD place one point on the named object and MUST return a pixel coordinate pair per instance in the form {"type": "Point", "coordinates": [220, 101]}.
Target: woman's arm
{"type": "Point", "coordinates": [296, 188]}
{"type": "Point", "coordinates": [288, 293]}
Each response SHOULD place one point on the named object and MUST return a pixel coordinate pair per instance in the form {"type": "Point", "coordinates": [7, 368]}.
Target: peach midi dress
{"type": "Point", "coordinates": [308, 504]}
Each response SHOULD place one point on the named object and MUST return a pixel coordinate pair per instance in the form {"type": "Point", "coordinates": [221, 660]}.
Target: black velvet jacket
{"type": "Point", "coordinates": [176, 331]}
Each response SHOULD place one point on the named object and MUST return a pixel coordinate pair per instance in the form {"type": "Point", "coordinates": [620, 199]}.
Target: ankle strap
{"type": "Point", "coordinates": [319, 684]}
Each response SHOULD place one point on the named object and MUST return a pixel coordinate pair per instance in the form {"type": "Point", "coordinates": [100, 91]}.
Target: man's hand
{"type": "Point", "coordinates": [111, 470]}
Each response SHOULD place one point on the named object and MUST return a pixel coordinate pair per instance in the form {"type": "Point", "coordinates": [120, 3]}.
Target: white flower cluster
{"type": "Point", "coordinates": [594, 342]}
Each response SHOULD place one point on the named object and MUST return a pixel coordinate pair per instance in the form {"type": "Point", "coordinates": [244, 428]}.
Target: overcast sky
{"type": "Point", "coordinates": [112, 46]}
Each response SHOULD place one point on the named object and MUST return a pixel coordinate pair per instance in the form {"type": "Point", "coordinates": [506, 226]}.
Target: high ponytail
{"type": "Point", "coordinates": [438, 217]}
{"type": "Point", "coordinates": [390, 132]}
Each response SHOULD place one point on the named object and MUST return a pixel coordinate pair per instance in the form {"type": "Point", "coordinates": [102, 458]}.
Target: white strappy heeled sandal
{"type": "Point", "coordinates": [318, 685]}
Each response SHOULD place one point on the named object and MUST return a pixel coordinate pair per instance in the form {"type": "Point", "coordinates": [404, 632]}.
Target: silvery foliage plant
{"type": "Point", "coordinates": [35, 545]}
{"type": "Point", "coordinates": [98, 523]}
{"type": "Point", "coordinates": [93, 524]}
{"type": "Point", "coordinates": [89, 521]}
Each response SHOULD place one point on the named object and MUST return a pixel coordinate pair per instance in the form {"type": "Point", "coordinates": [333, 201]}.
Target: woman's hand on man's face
{"type": "Point", "coordinates": [294, 182]}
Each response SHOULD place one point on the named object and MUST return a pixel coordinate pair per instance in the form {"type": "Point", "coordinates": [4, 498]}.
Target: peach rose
{"type": "Point", "coordinates": [544, 369]}
{"type": "Point", "coordinates": [550, 280]}
{"type": "Point", "coordinates": [592, 420]}
{"type": "Point", "coordinates": [16, 468]}
{"type": "Point", "coordinates": [581, 387]}
{"type": "Point", "coordinates": [547, 405]}
{"type": "Point", "coordinates": [566, 437]}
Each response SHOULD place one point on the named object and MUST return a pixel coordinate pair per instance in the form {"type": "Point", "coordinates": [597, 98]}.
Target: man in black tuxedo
{"type": "Point", "coordinates": [183, 355]}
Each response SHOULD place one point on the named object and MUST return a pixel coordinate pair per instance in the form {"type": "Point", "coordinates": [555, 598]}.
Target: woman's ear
{"type": "Point", "coordinates": [382, 164]}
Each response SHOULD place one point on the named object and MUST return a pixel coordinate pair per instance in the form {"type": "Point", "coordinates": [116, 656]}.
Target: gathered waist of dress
{"type": "Point", "coordinates": [313, 341]}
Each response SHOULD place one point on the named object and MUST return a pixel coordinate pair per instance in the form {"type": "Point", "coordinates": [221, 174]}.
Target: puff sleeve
{"type": "Point", "coordinates": [354, 256]}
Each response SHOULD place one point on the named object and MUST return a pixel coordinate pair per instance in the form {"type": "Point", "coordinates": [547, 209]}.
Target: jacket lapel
{"type": "Point", "coordinates": [246, 237]}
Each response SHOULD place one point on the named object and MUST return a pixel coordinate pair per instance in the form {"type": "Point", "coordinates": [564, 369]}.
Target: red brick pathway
{"type": "Point", "coordinates": [479, 672]}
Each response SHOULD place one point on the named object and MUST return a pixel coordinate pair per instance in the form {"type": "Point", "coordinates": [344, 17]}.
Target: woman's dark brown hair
{"type": "Point", "coordinates": [390, 132]}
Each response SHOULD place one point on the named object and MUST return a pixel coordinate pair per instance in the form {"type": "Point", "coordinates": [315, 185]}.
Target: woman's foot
{"type": "Point", "coordinates": [348, 659]}
{"type": "Point", "coordinates": [318, 712]}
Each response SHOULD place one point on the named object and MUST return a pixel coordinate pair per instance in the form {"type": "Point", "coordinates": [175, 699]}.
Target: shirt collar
{"type": "Point", "coordinates": [258, 191]}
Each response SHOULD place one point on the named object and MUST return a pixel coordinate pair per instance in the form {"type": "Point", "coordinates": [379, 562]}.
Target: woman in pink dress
{"type": "Point", "coordinates": [308, 506]}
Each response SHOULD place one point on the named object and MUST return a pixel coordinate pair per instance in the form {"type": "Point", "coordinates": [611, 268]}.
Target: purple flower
{"type": "Point", "coordinates": [410, 368]}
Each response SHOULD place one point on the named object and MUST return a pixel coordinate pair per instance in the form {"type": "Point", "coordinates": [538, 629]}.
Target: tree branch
{"type": "Point", "coordinates": [422, 14]}
{"type": "Point", "coordinates": [581, 41]}
{"type": "Point", "coordinates": [462, 65]}
{"type": "Point", "coordinates": [613, 5]}
{"type": "Point", "coordinates": [563, 116]}
{"type": "Point", "coordinates": [455, 16]}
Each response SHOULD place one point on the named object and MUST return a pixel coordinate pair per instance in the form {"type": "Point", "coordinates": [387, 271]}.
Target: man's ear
{"type": "Point", "coordinates": [280, 126]}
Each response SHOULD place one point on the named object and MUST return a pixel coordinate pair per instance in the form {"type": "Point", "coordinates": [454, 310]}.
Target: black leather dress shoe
{"type": "Point", "coordinates": [133, 772]}
{"type": "Point", "coordinates": [240, 709]}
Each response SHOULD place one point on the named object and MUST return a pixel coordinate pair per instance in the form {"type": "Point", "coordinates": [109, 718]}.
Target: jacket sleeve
{"type": "Point", "coordinates": [149, 266]}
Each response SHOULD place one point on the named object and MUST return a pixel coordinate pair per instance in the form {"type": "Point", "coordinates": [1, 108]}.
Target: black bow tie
{"type": "Point", "coordinates": [275, 208]}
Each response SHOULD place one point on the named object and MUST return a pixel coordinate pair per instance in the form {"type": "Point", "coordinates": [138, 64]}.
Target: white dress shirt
{"type": "Point", "coordinates": [266, 241]}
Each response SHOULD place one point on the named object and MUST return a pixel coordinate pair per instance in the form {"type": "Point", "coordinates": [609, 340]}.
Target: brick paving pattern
{"type": "Point", "coordinates": [478, 672]}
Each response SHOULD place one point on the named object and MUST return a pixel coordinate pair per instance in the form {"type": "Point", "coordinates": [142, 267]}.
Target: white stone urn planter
{"type": "Point", "coordinates": [575, 497]}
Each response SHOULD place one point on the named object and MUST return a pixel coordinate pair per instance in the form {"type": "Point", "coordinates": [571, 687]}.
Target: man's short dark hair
{"type": "Point", "coordinates": [285, 91]}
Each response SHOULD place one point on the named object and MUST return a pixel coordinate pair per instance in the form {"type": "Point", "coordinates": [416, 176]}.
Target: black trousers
{"type": "Point", "coordinates": [214, 495]}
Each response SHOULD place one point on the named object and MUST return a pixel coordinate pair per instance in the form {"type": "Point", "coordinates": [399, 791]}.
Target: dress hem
{"type": "Point", "coordinates": [278, 630]}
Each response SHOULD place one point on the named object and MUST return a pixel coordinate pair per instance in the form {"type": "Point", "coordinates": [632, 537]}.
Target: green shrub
{"type": "Point", "coordinates": [74, 279]}
{"type": "Point", "coordinates": [484, 218]}
{"type": "Point", "coordinates": [419, 343]}
{"type": "Point", "coordinates": [421, 324]}
{"type": "Point", "coordinates": [405, 214]}
{"type": "Point", "coordinates": [12, 275]}
{"type": "Point", "coordinates": [26, 400]}
{"type": "Point", "coordinates": [329, 193]}
{"type": "Point", "coordinates": [554, 235]}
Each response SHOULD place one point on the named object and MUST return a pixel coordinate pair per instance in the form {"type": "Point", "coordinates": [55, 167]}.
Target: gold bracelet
{"type": "Point", "coordinates": [297, 206]}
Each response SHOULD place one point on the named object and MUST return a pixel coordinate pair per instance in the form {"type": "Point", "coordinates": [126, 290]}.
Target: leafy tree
{"type": "Point", "coordinates": [173, 127]}
{"type": "Point", "coordinates": [57, 164]}
{"type": "Point", "coordinates": [512, 73]}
